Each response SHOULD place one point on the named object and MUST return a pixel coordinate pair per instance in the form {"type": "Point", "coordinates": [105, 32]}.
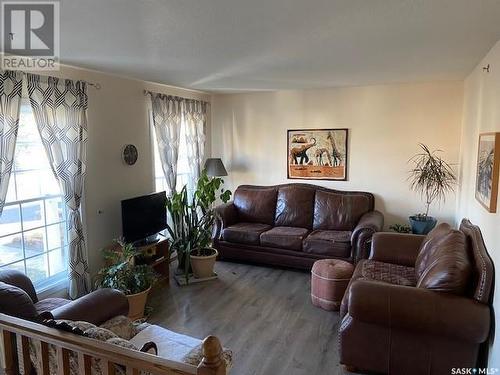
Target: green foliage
{"type": "Point", "coordinates": [400, 228]}
{"type": "Point", "coordinates": [431, 176]}
{"type": "Point", "coordinates": [191, 220]}
{"type": "Point", "coordinates": [123, 274]}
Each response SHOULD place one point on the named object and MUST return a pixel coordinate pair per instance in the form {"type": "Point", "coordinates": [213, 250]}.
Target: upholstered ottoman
{"type": "Point", "coordinates": [329, 279]}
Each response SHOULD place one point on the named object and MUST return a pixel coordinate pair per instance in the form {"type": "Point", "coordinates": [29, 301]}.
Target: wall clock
{"type": "Point", "coordinates": [130, 154]}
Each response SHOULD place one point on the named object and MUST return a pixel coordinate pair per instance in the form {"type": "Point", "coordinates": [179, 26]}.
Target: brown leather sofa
{"type": "Point", "coordinates": [294, 225]}
{"type": "Point", "coordinates": [18, 298]}
{"type": "Point", "coordinates": [419, 305]}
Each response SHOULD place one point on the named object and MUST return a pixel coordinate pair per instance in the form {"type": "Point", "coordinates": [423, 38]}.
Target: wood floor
{"type": "Point", "coordinates": [263, 314]}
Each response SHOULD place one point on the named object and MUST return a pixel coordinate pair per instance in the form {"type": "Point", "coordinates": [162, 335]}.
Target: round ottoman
{"type": "Point", "coordinates": [329, 279]}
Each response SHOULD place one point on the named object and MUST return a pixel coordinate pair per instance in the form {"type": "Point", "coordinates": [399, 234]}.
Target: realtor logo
{"type": "Point", "coordinates": [30, 35]}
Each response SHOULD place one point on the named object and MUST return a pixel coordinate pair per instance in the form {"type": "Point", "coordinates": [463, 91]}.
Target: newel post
{"type": "Point", "coordinates": [212, 363]}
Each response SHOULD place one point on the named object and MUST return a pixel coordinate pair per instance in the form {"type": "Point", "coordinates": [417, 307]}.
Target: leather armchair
{"type": "Point", "coordinates": [419, 304]}
{"type": "Point", "coordinates": [18, 298]}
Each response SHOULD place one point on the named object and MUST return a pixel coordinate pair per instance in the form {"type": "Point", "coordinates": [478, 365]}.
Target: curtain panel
{"type": "Point", "coordinates": [11, 84]}
{"type": "Point", "coordinates": [167, 117]}
{"type": "Point", "coordinates": [60, 110]}
{"type": "Point", "coordinates": [195, 114]}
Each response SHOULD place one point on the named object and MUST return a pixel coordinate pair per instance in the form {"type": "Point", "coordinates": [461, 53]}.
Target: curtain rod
{"type": "Point", "coordinates": [148, 92]}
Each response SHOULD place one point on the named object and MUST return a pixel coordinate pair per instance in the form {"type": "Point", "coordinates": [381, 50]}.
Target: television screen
{"type": "Point", "coordinates": [144, 216]}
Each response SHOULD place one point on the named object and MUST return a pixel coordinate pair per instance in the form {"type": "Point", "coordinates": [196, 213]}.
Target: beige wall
{"type": "Point", "coordinates": [481, 114]}
{"type": "Point", "coordinates": [386, 123]}
{"type": "Point", "coordinates": [117, 115]}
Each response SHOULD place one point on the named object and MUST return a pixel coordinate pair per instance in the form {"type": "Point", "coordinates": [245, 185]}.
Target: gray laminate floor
{"type": "Point", "coordinates": [263, 314]}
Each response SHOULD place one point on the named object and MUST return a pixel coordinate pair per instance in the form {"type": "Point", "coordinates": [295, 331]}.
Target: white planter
{"type": "Point", "coordinates": [203, 266]}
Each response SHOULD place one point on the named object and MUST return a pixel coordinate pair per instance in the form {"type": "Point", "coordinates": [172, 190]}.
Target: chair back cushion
{"type": "Point", "coordinates": [443, 264]}
{"type": "Point", "coordinates": [295, 205]}
{"type": "Point", "coordinates": [255, 204]}
{"type": "Point", "coordinates": [340, 211]}
{"type": "Point", "coordinates": [19, 279]}
{"type": "Point", "coordinates": [16, 302]}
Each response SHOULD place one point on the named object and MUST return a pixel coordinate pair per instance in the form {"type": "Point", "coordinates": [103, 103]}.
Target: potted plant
{"type": "Point", "coordinates": [432, 178]}
{"type": "Point", "coordinates": [122, 273]}
{"type": "Point", "coordinates": [190, 225]}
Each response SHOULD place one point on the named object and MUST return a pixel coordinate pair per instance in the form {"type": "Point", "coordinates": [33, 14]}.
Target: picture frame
{"type": "Point", "coordinates": [488, 169]}
{"type": "Point", "coordinates": [318, 154]}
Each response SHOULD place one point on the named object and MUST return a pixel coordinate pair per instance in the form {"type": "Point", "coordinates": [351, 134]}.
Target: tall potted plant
{"type": "Point", "coordinates": [121, 273]}
{"type": "Point", "coordinates": [433, 178]}
{"type": "Point", "coordinates": [190, 225]}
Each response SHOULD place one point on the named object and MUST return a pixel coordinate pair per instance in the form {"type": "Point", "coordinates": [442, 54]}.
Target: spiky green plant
{"type": "Point", "coordinates": [191, 220]}
{"type": "Point", "coordinates": [431, 176]}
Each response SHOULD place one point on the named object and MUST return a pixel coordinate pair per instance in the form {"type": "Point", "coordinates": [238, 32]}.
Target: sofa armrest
{"type": "Point", "coordinates": [369, 223]}
{"type": "Point", "coordinates": [420, 310]}
{"type": "Point", "coordinates": [225, 215]}
{"type": "Point", "coordinates": [396, 248]}
{"type": "Point", "coordinates": [96, 307]}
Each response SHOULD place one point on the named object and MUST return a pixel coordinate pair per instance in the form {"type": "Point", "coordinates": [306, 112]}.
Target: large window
{"type": "Point", "coordinates": [33, 234]}
{"type": "Point", "coordinates": [183, 171]}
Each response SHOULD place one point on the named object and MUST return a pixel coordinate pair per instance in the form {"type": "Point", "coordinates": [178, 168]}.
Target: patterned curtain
{"type": "Point", "coordinates": [60, 110]}
{"type": "Point", "coordinates": [167, 117]}
{"type": "Point", "coordinates": [195, 116]}
{"type": "Point", "coordinates": [11, 84]}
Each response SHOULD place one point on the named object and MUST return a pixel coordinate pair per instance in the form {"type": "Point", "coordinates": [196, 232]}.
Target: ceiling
{"type": "Point", "coordinates": [249, 45]}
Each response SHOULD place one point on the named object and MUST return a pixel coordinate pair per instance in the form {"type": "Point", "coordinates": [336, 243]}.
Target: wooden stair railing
{"type": "Point", "coordinates": [14, 347]}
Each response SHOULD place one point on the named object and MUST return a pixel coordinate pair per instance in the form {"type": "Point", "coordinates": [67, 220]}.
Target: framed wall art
{"type": "Point", "coordinates": [317, 154]}
{"type": "Point", "coordinates": [488, 165]}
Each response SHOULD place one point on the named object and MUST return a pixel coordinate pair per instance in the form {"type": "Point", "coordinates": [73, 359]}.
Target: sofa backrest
{"type": "Point", "coordinates": [295, 206]}
{"type": "Point", "coordinates": [302, 205]}
{"type": "Point", "coordinates": [481, 285]}
{"type": "Point", "coordinates": [256, 204]}
{"type": "Point", "coordinates": [340, 210]}
{"type": "Point", "coordinates": [443, 263]}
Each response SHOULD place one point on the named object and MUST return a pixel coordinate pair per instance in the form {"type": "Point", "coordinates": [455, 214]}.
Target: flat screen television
{"type": "Point", "coordinates": [144, 217]}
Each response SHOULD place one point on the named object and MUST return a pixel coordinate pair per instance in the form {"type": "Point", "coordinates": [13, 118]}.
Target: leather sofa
{"type": "Point", "coordinates": [420, 304]}
{"type": "Point", "coordinates": [18, 298]}
{"type": "Point", "coordinates": [294, 225]}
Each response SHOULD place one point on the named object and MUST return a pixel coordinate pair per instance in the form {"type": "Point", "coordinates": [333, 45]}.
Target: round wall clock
{"type": "Point", "coordinates": [130, 154]}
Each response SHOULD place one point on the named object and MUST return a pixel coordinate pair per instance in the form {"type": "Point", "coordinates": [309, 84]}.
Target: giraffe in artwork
{"type": "Point", "coordinates": [319, 156]}
{"type": "Point", "coordinates": [337, 156]}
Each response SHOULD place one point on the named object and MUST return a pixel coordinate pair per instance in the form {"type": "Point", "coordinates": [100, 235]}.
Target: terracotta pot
{"type": "Point", "coordinates": [136, 304]}
{"type": "Point", "coordinates": [203, 265]}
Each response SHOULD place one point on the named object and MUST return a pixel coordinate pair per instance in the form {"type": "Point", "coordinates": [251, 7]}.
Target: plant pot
{"type": "Point", "coordinates": [422, 225]}
{"type": "Point", "coordinates": [203, 265]}
{"type": "Point", "coordinates": [136, 304]}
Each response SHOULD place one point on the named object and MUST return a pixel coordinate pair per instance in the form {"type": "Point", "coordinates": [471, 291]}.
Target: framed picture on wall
{"type": "Point", "coordinates": [317, 154]}
{"type": "Point", "coordinates": [488, 165]}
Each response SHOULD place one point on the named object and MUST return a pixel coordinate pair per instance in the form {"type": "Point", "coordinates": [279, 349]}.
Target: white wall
{"type": "Point", "coordinates": [117, 115]}
{"type": "Point", "coordinates": [481, 114]}
{"type": "Point", "coordinates": [386, 123]}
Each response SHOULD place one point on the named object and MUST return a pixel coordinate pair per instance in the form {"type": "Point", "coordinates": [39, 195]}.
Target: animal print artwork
{"type": "Point", "coordinates": [317, 154]}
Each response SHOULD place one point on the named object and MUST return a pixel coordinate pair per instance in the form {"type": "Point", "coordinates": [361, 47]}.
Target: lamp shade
{"type": "Point", "coordinates": [215, 167]}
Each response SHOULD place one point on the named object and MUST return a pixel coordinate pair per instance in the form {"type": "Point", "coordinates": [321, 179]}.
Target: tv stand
{"type": "Point", "coordinates": [150, 240]}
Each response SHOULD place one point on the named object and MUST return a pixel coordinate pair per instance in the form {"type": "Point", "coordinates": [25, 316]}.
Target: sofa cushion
{"type": "Point", "coordinates": [255, 204]}
{"type": "Point", "coordinates": [334, 211]}
{"type": "Point", "coordinates": [388, 273]}
{"type": "Point", "coordinates": [368, 269]}
{"type": "Point", "coordinates": [447, 266]}
{"type": "Point", "coordinates": [284, 237]}
{"type": "Point", "coordinates": [248, 233]}
{"type": "Point", "coordinates": [294, 207]}
{"type": "Point", "coordinates": [16, 302]}
{"type": "Point", "coordinates": [429, 246]}
{"type": "Point", "coordinates": [329, 243]}
{"type": "Point", "coordinates": [50, 304]}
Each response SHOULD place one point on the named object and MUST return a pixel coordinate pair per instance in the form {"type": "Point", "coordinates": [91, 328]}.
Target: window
{"type": "Point", "coordinates": [183, 170]}
{"type": "Point", "coordinates": [33, 234]}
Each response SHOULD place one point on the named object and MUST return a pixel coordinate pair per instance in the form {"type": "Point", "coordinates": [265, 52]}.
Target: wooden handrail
{"type": "Point", "coordinates": [87, 348]}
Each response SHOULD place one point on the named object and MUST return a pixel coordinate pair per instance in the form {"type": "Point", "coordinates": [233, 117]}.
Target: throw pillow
{"type": "Point", "coordinates": [121, 326]}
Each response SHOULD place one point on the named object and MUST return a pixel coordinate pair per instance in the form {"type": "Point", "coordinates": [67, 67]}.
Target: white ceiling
{"type": "Point", "coordinates": [246, 45]}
